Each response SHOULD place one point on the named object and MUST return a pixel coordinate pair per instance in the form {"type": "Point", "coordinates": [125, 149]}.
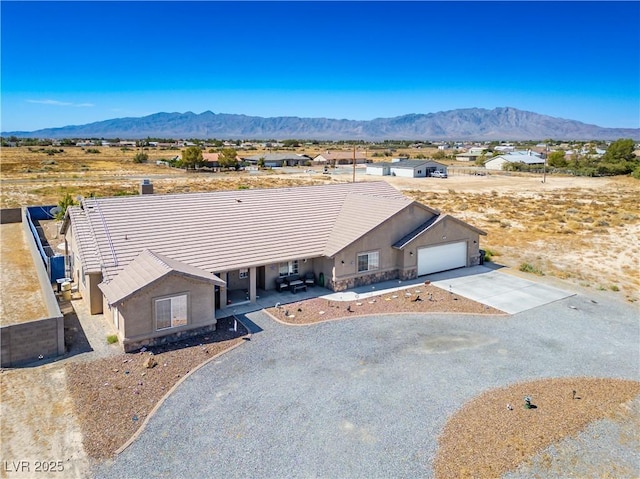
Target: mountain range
{"type": "Point", "coordinates": [504, 123]}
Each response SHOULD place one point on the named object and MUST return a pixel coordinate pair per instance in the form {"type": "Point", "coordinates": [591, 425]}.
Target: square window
{"type": "Point", "coordinates": [288, 268]}
{"type": "Point", "coordinates": [171, 312]}
{"type": "Point", "coordinates": [368, 261]}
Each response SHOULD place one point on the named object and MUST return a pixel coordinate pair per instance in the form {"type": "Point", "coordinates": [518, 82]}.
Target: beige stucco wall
{"type": "Point", "coordinates": [400, 264]}
{"type": "Point", "coordinates": [380, 239]}
{"type": "Point", "coordinates": [448, 231]}
{"type": "Point", "coordinates": [235, 282]}
{"type": "Point", "coordinates": [87, 285]}
{"type": "Point", "coordinates": [271, 271]}
{"type": "Point", "coordinates": [137, 315]}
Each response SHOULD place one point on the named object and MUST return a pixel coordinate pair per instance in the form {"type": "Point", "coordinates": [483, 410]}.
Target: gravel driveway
{"type": "Point", "coordinates": [366, 397]}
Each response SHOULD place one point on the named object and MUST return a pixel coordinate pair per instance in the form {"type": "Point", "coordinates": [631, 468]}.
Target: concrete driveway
{"type": "Point", "coordinates": [503, 291]}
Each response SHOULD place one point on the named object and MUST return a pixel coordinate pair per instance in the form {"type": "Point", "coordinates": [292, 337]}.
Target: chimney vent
{"type": "Point", "coordinates": [146, 187]}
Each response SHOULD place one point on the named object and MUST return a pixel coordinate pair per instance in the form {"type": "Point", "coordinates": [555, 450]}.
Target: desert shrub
{"type": "Point", "coordinates": [92, 151]}
{"type": "Point", "coordinates": [112, 339]}
{"type": "Point", "coordinates": [529, 268]}
{"type": "Point", "coordinates": [489, 254]}
{"type": "Point", "coordinates": [614, 287]}
{"type": "Point", "coordinates": [140, 158]}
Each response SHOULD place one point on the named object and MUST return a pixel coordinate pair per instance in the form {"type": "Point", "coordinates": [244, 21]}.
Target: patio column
{"type": "Point", "coordinates": [223, 290]}
{"type": "Point", "coordinates": [252, 284]}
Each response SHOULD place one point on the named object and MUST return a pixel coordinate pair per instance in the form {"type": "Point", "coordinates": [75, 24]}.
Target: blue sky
{"type": "Point", "coordinates": [73, 62]}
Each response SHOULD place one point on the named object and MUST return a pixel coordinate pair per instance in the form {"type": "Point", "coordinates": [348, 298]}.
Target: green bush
{"type": "Point", "coordinates": [489, 254]}
{"type": "Point", "coordinates": [529, 268]}
{"type": "Point", "coordinates": [112, 339]}
{"type": "Point", "coordinates": [140, 158]}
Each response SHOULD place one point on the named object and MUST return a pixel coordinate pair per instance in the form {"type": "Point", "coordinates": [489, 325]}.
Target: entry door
{"type": "Point", "coordinates": [442, 258]}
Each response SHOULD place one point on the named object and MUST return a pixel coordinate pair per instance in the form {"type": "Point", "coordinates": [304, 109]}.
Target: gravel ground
{"type": "Point", "coordinates": [613, 444]}
{"type": "Point", "coordinates": [112, 396]}
{"type": "Point", "coordinates": [514, 433]}
{"type": "Point", "coordinates": [421, 298]}
{"type": "Point", "coordinates": [370, 397]}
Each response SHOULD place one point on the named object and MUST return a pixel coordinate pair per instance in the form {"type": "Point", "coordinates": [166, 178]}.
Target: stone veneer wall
{"type": "Point", "coordinates": [132, 345]}
{"type": "Point", "coordinates": [357, 281]}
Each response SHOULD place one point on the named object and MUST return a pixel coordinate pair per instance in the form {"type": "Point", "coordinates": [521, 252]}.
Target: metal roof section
{"type": "Point", "coordinates": [268, 157]}
{"type": "Point", "coordinates": [404, 241]}
{"type": "Point", "coordinates": [222, 230]}
{"type": "Point", "coordinates": [144, 270]}
{"type": "Point", "coordinates": [405, 164]}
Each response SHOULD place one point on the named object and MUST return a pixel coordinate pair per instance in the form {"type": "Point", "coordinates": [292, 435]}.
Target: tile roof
{"type": "Point", "coordinates": [226, 230]}
{"type": "Point", "coordinates": [279, 157]}
{"type": "Point", "coordinates": [145, 269]}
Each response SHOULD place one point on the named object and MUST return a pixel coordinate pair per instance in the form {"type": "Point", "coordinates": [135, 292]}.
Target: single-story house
{"type": "Point", "coordinates": [380, 168]}
{"type": "Point", "coordinates": [405, 168]}
{"type": "Point", "coordinates": [276, 160]}
{"type": "Point", "coordinates": [472, 154]}
{"type": "Point", "coordinates": [340, 158]}
{"type": "Point", "coordinates": [211, 160]}
{"type": "Point", "coordinates": [528, 157]}
{"type": "Point", "coordinates": [162, 266]}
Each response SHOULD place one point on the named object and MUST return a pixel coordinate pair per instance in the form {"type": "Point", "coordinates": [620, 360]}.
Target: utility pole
{"type": "Point", "coordinates": [544, 165]}
{"type": "Point", "coordinates": [354, 163]}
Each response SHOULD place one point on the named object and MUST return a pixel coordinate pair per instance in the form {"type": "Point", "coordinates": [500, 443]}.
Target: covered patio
{"type": "Point", "coordinates": [240, 304]}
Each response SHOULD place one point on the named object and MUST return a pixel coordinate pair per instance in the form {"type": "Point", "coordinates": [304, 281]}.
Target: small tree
{"type": "Point", "coordinates": [228, 158]}
{"type": "Point", "coordinates": [556, 159]}
{"type": "Point", "coordinates": [63, 204]}
{"type": "Point", "coordinates": [439, 155]}
{"type": "Point", "coordinates": [261, 162]}
{"type": "Point", "coordinates": [192, 157]}
{"type": "Point", "coordinates": [620, 150]}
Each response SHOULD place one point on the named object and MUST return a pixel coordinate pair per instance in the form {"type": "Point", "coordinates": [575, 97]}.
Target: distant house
{"type": "Point", "coordinates": [528, 157]}
{"type": "Point", "coordinates": [379, 169]}
{"type": "Point", "coordinates": [472, 154]}
{"type": "Point", "coordinates": [405, 168]}
{"type": "Point", "coordinates": [276, 160]}
{"type": "Point", "coordinates": [211, 160]}
{"type": "Point", "coordinates": [340, 158]}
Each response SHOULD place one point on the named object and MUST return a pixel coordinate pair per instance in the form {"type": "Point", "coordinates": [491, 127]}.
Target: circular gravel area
{"type": "Point", "coordinates": [367, 397]}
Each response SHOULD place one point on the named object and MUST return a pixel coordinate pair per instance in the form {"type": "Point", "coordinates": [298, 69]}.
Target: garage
{"type": "Point", "coordinates": [442, 258]}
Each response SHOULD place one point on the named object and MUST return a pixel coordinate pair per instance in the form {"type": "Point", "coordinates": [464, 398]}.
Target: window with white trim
{"type": "Point", "coordinates": [171, 312]}
{"type": "Point", "coordinates": [243, 273]}
{"type": "Point", "coordinates": [368, 261]}
{"type": "Point", "coordinates": [288, 268]}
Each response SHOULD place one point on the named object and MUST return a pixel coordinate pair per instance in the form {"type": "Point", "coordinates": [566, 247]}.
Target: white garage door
{"type": "Point", "coordinates": [442, 258]}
